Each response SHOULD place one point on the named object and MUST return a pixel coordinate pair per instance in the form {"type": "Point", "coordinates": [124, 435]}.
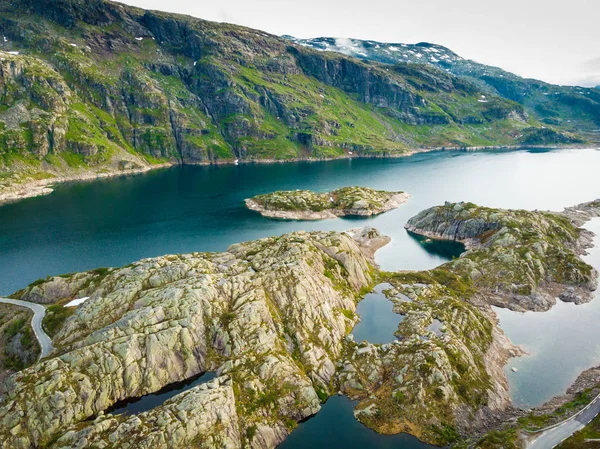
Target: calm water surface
{"type": "Point", "coordinates": [335, 427]}
{"type": "Point", "coordinates": [113, 222]}
{"type": "Point", "coordinates": [561, 343]}
{"type": "Point", "coordinates": [116, 221]}
{"type": "Point", "coordinates": [378, 322]}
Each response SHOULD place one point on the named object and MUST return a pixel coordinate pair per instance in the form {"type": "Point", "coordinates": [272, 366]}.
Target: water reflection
{"type": "Point", "coordinates": [378, 322]}
{"type": "Point", "coordinates": [561, 343]}
{"type": "Point", "coordinates": [445, 249]}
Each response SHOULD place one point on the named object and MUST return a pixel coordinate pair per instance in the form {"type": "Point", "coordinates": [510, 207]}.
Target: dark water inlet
{"type": "Point", "coordinates": [134, 406]}
{"type": "Point", "coordinates": [335, 427]}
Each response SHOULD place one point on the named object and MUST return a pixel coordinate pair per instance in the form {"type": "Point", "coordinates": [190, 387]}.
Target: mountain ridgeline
{"type": "Point", "coordinates": [99, 86]}
{"type": "Point", "coordinates": [574, 108]}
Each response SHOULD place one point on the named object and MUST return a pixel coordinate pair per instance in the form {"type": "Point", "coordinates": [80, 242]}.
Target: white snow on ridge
{"type": "Point", "coordinates": [76, 302]}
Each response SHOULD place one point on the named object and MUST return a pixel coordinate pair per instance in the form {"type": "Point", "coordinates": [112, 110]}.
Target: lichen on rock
{"type": "Point", "coordinates": [268, 314]}
{"type": "Point", "coordinates": [272, 318]}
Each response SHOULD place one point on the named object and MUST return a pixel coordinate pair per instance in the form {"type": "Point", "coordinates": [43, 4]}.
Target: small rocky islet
{"type": "Point", "coordinates": [309, 205]}
{"type": "Point", "coordinates": [273, 319]}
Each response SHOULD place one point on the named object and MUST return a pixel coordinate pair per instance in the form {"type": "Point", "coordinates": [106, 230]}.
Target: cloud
{"type": "Point", "coordinates": [348, 46]}
{"type": "Point", "coordinates": [592, 65]}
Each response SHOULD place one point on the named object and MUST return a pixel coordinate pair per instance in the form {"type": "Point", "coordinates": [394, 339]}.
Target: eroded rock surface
{"type": "Point", "coordinates": [270, 314]}
{"type": "Point", "coordinates": [272, 317]}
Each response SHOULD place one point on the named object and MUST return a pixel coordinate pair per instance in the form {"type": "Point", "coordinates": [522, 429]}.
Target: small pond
{"type": "Point", "coordinates": [378, 322]}
{"type": "Point", "coordinates": [335, 427]}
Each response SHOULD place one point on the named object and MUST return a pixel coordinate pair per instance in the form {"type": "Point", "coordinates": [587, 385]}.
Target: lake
{"type": "Point", "coordinates": [378, 322]}
{"type": "Point", "coordinates": [335, 427]}
{"type": "Point", "coordinates": [145, 403]}
{"type": "Point", "coordinates": [116, 221]}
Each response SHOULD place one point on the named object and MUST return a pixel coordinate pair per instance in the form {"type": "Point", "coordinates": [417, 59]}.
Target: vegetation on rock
{"type": "Point", "coordinates": [272, 317]}
{"type": "Point", "coordinates": [308, 205]}
{"type": "Point", "coordinates": [18, 345]}
{"type": "Point", "coordinates": [522, 260]}
{"type": "Point", "coordinates": [570, 107]}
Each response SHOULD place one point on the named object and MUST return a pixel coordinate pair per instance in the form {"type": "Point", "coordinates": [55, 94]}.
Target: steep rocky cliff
{"type": "Point", "coordinates": [95, 86]}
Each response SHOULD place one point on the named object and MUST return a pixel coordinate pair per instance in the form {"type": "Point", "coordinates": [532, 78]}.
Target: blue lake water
{"type": "Point", "coordinates": [335, 427]}
{"type": "Point", "coordinates": [561, 343]}
{"type": "Point", "coordinates": [113, 222]}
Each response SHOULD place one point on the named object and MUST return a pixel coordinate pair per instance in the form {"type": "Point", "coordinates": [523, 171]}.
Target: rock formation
{"type": "Point", "coordinates": [272, 318]}
{"type": "Point", "coordinates": [308, 205]}
{"type": "Point", "coordinates": [522, 260]}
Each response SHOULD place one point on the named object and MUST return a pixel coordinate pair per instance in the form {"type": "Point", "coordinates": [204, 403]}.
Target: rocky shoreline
{"type": "Point", "coordinates": [531, 285]}
{"type": "Point", "coordinates": [272, 318]}
{"type": "Point", "coordinates": [42, 187]}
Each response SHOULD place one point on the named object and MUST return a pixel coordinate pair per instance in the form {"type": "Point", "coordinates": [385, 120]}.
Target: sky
{"type": "Point", "coordinates": [553, 40]}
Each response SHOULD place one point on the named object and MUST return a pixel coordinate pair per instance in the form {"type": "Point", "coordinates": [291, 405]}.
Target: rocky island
{"type": "Point", "coordinates": [308, 205]}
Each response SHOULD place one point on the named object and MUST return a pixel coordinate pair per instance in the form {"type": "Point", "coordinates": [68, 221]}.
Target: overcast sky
{"type": "Point", "coordinates": [553, 40]}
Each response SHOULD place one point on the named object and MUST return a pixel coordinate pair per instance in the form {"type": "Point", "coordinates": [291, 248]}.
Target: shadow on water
{"type": "Point", "coordinates": [335, 427]}
{"type": "Point", "coordinates": [134, 406]}
{"type": "Point", "coordinates": [445, 249]}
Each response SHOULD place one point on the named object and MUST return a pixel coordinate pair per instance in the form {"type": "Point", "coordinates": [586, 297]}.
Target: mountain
{"type": "Point", "coordinates": [574, 108]}
{"type": "Point", "coordinates": [99, 87]}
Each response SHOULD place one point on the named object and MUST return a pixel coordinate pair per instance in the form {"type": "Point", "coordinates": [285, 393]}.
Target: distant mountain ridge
{"type": "Point", "coordinates": [575, 108]}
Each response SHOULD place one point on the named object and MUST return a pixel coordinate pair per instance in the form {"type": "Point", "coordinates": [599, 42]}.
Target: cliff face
{"type": "Point", "coordinates": [95, 85]}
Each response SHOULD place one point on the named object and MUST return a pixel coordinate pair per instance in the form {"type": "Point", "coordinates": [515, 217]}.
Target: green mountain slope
{"type": "Point", "coordinates": [98, 86]}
